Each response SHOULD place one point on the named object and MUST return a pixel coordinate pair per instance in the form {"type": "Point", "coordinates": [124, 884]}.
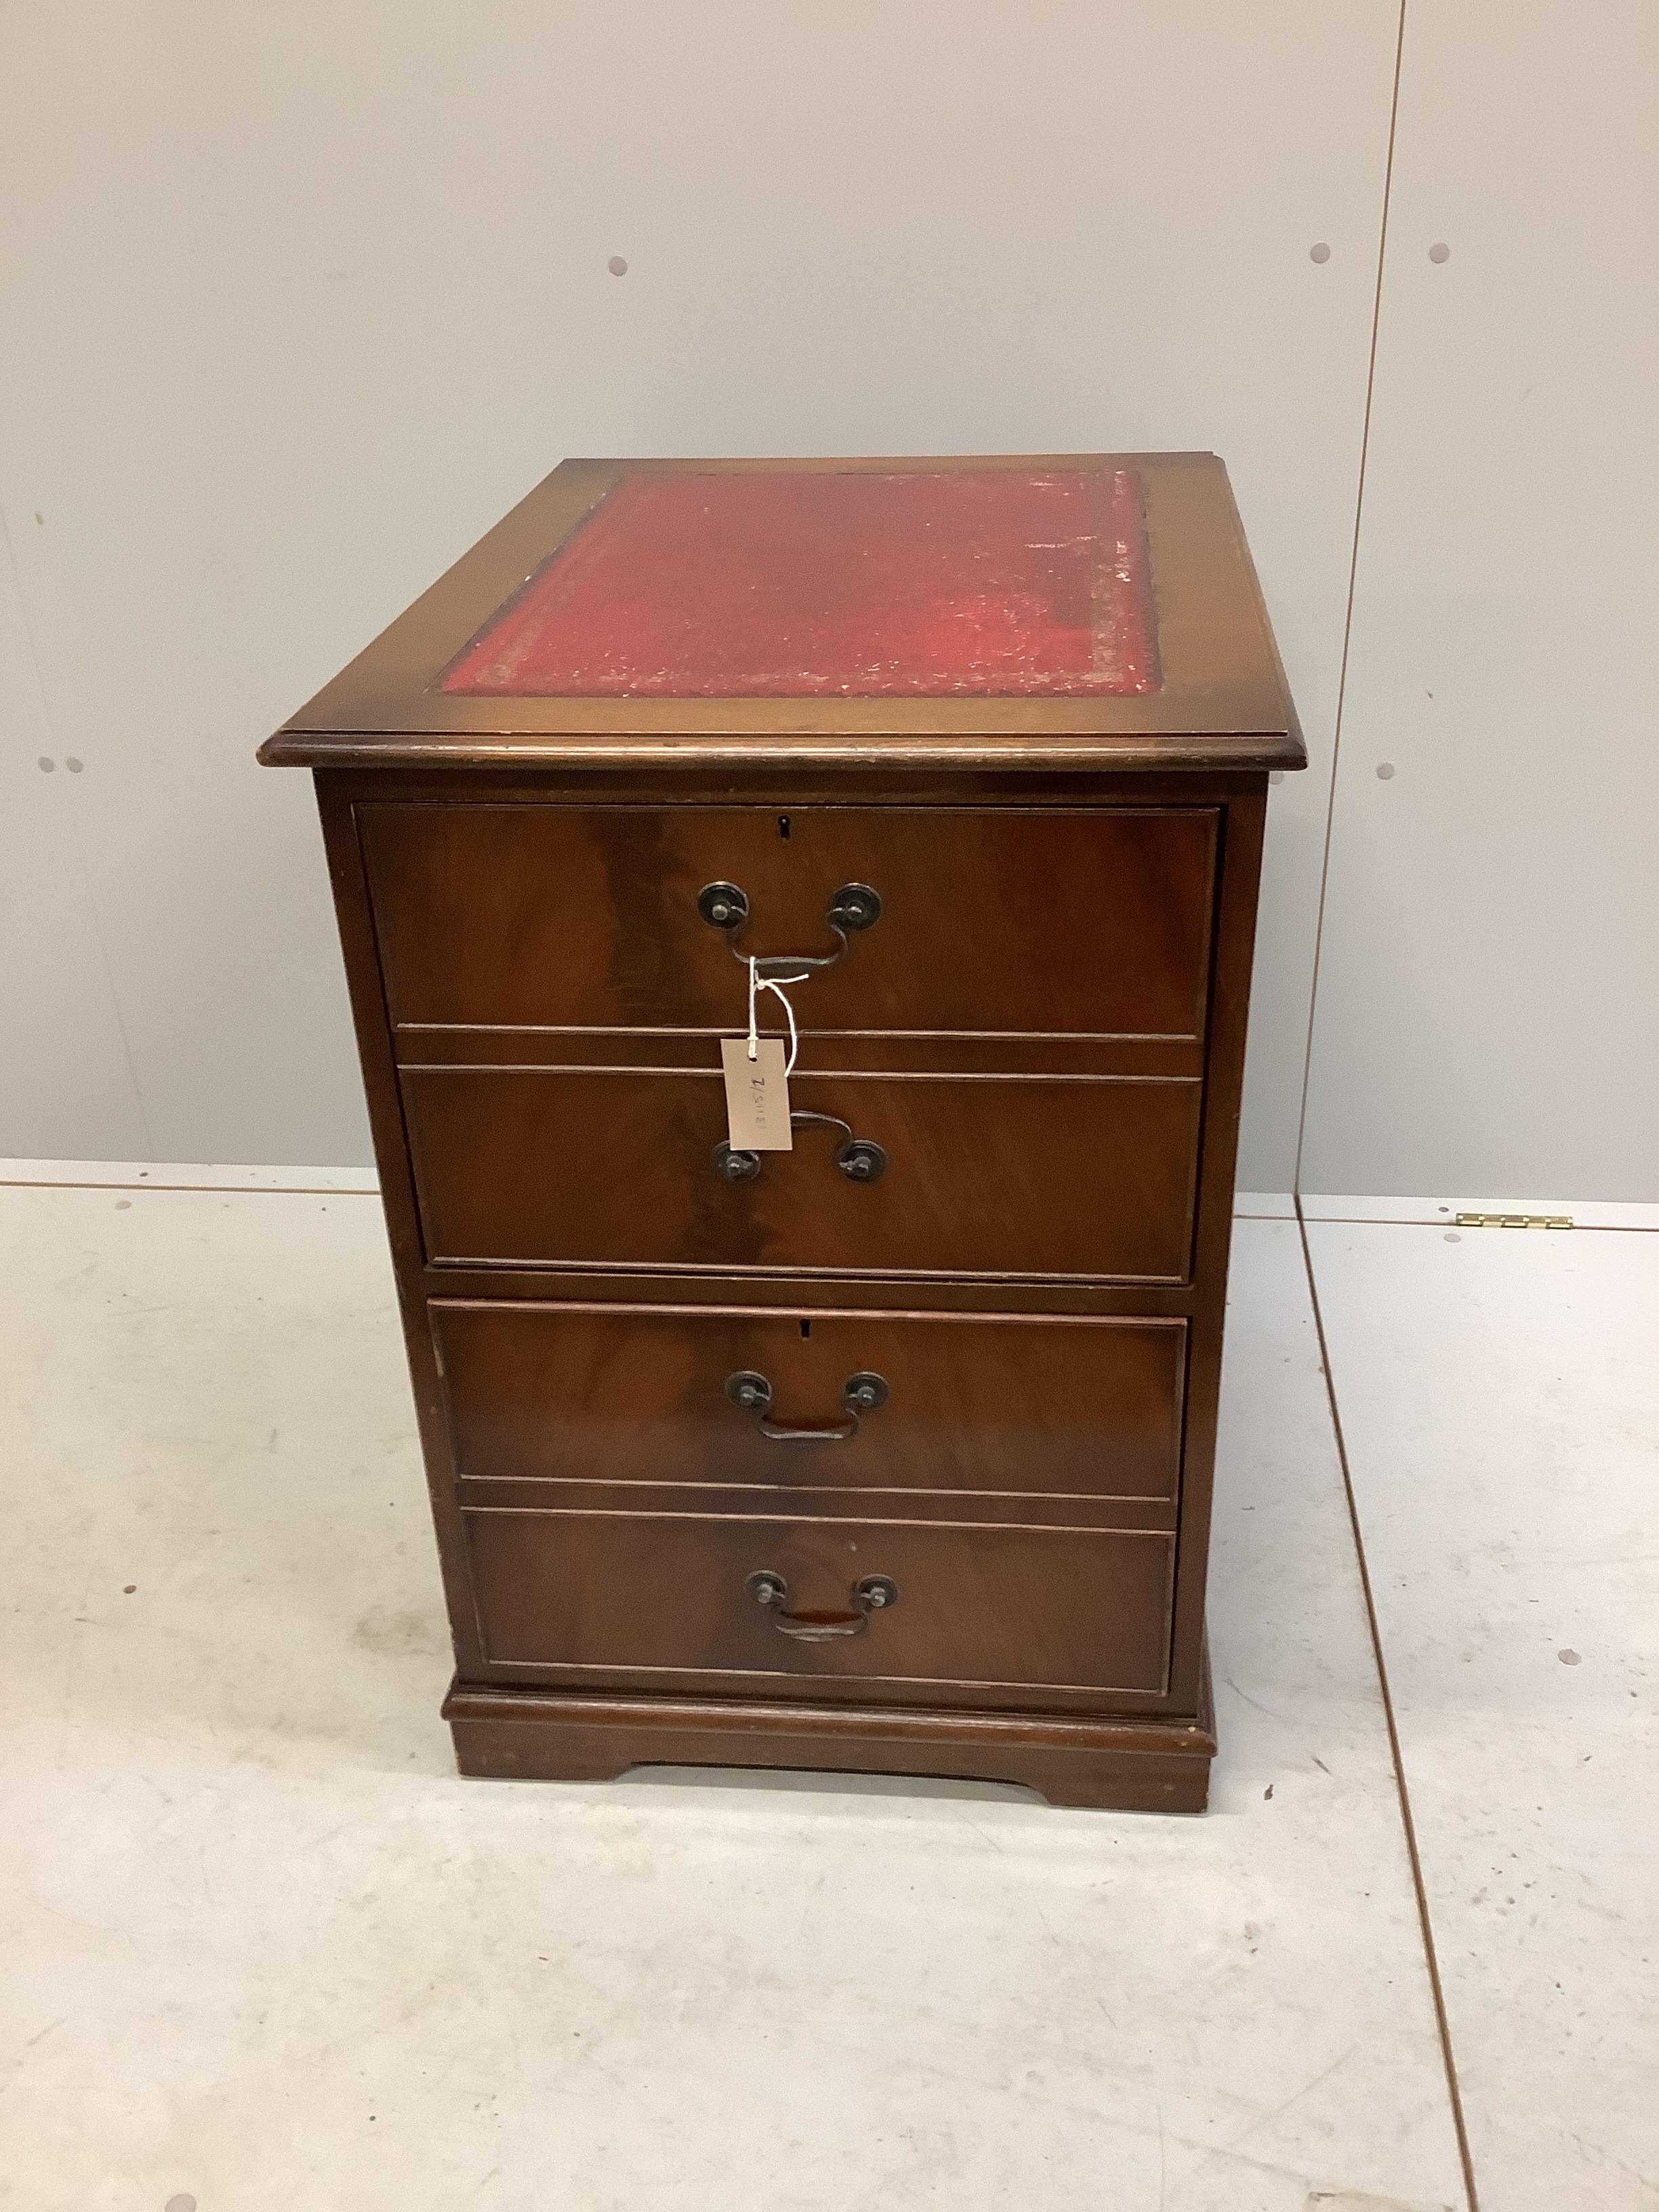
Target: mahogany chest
{"type": "Point", "coordinates": [886, 1445]}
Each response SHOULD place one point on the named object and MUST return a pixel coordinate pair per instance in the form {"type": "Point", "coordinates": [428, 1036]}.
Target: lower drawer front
{"type": "Point", "coordinates": [592, 1596]}
{"type": "Point", "coordinates": [951, 1402]}
{"type": "Point", "coordinates": [1066, 1176]}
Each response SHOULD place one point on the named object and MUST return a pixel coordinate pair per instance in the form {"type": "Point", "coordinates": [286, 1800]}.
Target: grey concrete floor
{"type": "Point", "coordinates": [263, 1949]}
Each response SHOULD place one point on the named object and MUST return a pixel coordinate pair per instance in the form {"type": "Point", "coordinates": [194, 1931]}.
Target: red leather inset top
{"type": "Point", "coordinates": [813, 584]}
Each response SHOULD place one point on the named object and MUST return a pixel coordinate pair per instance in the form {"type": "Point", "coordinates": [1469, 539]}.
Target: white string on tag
{"type": "Point", "coordinates": [757, 982]}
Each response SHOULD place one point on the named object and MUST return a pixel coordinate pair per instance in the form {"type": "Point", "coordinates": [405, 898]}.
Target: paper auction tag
{"type": "Point", "coordinates": [756, 1096]}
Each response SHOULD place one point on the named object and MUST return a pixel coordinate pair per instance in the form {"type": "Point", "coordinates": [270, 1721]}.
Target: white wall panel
{"type": "Point", "coordinates": [302, 297]}
{"type": "Point", "coordinates": [65, 1084]}
{"type": "Point", "coordinates": [1488, 1010]}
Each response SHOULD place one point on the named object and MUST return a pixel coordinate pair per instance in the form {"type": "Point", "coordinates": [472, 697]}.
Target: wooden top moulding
{"type": "Point", "coordinates": [1065, 610]}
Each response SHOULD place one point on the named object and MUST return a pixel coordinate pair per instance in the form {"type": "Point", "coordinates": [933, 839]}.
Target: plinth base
{"type": "Point", "coordinates": [1152, 1765]}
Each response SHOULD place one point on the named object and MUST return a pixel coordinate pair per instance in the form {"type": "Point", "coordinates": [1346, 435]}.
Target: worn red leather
{"type": "Point", "coordinates": [809, 584]}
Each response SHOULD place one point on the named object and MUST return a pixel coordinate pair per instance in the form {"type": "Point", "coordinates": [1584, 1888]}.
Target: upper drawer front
{"type": "Point", "coordinates": [1027, 922]}
{"type": "Point", "coordinates": [901, 1402]}
{"type": "Point", "coordinates": [1042, 1176]}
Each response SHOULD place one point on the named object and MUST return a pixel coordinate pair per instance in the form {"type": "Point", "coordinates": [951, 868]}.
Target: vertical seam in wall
{"type": "Point", "coordinates": [1347, 616]}
{"type": "Point", "coordinates": [49, 721]}
{"type": "Point", "coordinates": [1425, 1924]}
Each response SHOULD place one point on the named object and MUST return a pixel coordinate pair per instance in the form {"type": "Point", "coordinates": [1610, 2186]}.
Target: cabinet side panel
{"type": "Point", "coordinates": [368, 1013]}
{"type": "Point", "coordinates": [1237, 883]}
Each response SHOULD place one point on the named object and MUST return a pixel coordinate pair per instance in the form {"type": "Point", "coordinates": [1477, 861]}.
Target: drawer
{"type": "Point", "coordinates": [979, 1612]}
{"type": "Point", "coordinates": [1008, 922]}
{"type": "Point", "coordinates": [1084, 1177]}
{"type": "Point", "coordinates": [648, 1396]}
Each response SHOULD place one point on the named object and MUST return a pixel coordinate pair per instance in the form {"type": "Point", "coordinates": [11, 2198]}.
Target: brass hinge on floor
{"type": "Point", "coordinates": [1515, 1221]}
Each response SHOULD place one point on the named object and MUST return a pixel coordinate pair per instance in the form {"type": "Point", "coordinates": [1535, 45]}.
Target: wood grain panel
{"type": "Point", "coordinates": [978, 1608]}
{"type": "Point", "coordinates": [1087, 922]}
{"type": "Point", "coordinates": [638, 1396]}
{"type": "Point", "coordinates": [1068, 1176]}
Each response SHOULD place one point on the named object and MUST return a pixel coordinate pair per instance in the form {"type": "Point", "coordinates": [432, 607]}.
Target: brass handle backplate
{"type": "Point", "coordinates": [872, 1595]}
{"type": "Point", "coordinates": [860, 1159]}
{"type": "Point", "coordinates": [860, 1394]}
{"type": "Point", "coordinates": [725, 907]}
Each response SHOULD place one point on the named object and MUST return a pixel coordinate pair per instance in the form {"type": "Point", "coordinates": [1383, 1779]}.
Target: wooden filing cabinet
{"type": "Point", "coordinates": [892, 1450]}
